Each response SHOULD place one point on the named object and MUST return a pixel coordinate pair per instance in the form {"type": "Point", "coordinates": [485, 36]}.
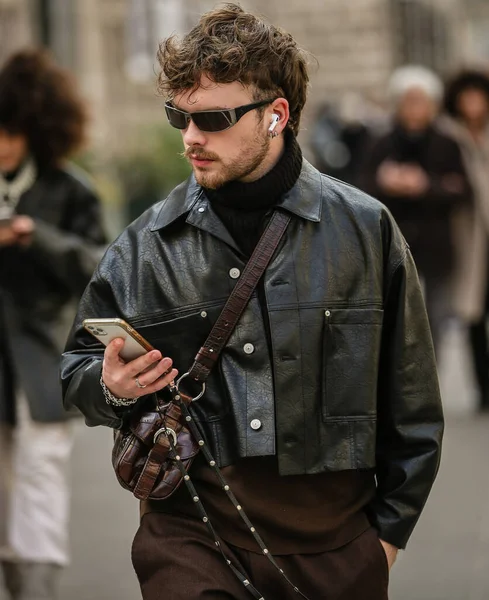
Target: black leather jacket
{"type": "Point", "coordinates": [40, 287]}
{"type": "Point", "coordinates": [350, 381]}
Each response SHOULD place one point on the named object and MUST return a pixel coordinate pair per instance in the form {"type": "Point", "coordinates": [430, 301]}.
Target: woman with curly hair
{"type": "Point", "coordinates": [467, 120]}
{"type": "Point", "coordinates": [51, 237]}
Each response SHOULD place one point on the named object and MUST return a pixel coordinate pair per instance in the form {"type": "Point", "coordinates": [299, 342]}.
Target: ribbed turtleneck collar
{"type": "Point", "coordinates": [266, 191]}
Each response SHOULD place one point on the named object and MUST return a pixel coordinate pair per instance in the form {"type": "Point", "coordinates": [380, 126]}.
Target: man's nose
{"type": "Point", "coordinates": [193, 136]}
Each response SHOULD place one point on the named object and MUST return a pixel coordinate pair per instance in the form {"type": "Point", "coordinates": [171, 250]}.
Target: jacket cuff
{"type": "Point", "coordinates": [390, 527]}
{"type": "Point", "coordinates": [85, 392]}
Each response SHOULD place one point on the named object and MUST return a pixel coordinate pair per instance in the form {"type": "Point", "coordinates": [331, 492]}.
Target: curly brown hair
{"type": "Point", "coordinates": [229, 44]}
{"type": "Point", "coordinates": [39, 100]}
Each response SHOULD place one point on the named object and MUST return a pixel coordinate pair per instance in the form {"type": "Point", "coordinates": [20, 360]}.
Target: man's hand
{"type": "Point", "coordinates": [120, 377]}
{"type": "Point", "coordinates": [402, 179]}
{"type": "Point", "coordinates": [18, 231]}
{"type": "Point", "coordinates": [23, 227]}
{"type": "Point", "coordinates": [8, 237]}
{"type": "Point", "coordinates": [389, 178]}
{"type": "Point", "coordinates": [415, 181]}
{"type": "Point", "coordinates": [390, 551]}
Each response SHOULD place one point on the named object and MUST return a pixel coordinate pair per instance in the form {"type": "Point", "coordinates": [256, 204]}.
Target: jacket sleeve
{"type": "Point", "coordinates": [81, 363]}
{"type": "Point", "coordinates": [410, 417]}
{"type": "Point", "coordinates": [70, 255]}
{"type": "Point", "coordinates": [448, 181]}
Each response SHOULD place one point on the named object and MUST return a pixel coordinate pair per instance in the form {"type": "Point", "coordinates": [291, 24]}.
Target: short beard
{"type": "Point", "coordinates": [249, 161]}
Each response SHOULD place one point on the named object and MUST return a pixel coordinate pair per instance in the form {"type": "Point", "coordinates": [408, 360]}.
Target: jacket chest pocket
{"type": "Point", "coordinates": [180, 338]}
{"type": "Point", "coordinates": [351, 348]}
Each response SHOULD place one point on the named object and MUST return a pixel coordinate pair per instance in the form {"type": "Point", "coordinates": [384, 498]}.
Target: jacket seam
{"type": "Point", "coordinates": [352, 445]}
{"type": "Point", "coordinates": [304, 423]}
{"type": "Point", "coordinates": [333, 304]}
{"type": "Point", "coordinates": [183, 311]}
{"type": "Point", "coordinates": [353, 419]}
{"type": "Point", "coordinates": [396, 266]}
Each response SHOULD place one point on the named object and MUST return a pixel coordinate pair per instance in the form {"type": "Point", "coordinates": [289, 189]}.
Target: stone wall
{"type": "Point", "coordinates": [15, 26]}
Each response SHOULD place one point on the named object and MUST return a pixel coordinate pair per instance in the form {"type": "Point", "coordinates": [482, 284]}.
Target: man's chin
{"type": "Point", "coordinates": [208, 181]}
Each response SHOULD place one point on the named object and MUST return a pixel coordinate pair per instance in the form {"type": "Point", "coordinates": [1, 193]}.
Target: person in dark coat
{"type": "Point", "coordinates": [51, 237]}
{"type": "Point", "coordinates": [418, 173]}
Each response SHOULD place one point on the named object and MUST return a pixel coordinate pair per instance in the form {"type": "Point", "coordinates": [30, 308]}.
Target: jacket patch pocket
{"type": "Point", "coordinates": [351, 348]}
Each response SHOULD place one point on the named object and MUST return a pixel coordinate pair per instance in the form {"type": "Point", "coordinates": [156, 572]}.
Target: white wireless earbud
{"type": "Point", "coordinates": [275, 120]}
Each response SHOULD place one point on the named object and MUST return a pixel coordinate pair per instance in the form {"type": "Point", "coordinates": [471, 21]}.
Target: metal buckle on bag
{"type": "Point", "coordinates": [183, 377]}
{"type": "Point", "coordinates": [168, 432]}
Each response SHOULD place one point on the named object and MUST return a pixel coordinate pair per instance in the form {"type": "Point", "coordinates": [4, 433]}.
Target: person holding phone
{"type": "Point", "coordinates": [51, 237]}
{"type": "Point", "coordinates": [323, 412]}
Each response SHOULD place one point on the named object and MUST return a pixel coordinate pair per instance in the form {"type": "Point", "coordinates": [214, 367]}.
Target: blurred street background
{"type": "Point", "coordinates": [110, 45]}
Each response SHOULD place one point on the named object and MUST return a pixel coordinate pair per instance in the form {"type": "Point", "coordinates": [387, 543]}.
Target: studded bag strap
{"type": "Point", "coordinates": [194, 429]}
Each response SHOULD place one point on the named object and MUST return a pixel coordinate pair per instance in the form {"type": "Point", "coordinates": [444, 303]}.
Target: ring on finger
{"type": "Point", "coordinates": [140, 385]}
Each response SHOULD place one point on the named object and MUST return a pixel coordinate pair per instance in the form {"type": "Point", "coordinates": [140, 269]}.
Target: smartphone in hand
{"type": "Point", "coordinates": [106, 330]}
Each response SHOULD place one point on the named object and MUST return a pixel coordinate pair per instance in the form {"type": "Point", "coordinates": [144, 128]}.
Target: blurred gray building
{"type": "Point", "coordinates": [111, 46]}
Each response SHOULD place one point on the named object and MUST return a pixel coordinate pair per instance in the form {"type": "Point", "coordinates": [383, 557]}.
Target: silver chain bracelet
{"type": "Point", "coordinates": [114, 400]}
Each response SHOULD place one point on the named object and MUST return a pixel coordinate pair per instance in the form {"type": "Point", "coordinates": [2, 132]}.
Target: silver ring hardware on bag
{"type": "Point", "coordinates": [183, 377]}
{"type": "Point", "coordinates": [168, 432]}
{"type": "Point", "coordinates": [140, 385]}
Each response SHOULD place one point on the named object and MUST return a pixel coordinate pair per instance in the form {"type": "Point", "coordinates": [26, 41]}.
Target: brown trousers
{"type": "Point", "coordinates": [175, 558]}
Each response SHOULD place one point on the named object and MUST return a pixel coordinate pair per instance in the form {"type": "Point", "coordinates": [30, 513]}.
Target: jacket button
{"type": "Point", "coordinates": [255, 424]}
{"type": "Point", "coordinates": [234, 273]}
{"type": "Point", "coordinates": [249, 348]}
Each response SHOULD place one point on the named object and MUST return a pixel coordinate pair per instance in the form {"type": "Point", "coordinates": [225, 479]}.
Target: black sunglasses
{"type": "Point", "coordinates": [210, 120]}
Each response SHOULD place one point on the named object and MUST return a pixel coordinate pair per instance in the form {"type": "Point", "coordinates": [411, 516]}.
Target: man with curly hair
{"type": "Point", "coordinates": [323, 412]}
{"type": "Point", "coordinates": [50, 240]}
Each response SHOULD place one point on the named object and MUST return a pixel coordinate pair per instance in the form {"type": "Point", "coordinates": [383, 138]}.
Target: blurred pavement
{"type": "Point", "coordinates": [447, 557]}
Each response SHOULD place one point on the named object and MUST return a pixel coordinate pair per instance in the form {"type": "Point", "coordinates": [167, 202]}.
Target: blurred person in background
{"type": "Point", "coordinates": [324, 410]}
{"type": "Point", "coordinates": [339, 137]}
{"type": "Point", "coordinates": [50, 240]}
{"type": "Point", "coordinates": [418, 173]}
{"type": "Point", "coordinates": [467, 120]}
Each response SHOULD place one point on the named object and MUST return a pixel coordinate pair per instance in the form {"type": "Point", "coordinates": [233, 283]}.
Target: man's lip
{"type": "Point", "coordinates": [200, 162]}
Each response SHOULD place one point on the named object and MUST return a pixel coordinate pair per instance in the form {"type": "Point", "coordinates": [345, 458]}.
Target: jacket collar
{"type": "Point", "coordinates": [303, 200]}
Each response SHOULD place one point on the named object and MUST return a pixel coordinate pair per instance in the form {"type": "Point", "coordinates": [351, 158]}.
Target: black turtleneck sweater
{"type": "Point", "coordinates": [244, 207]}
{"type": "Point", "coordinates": [294, 515]}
